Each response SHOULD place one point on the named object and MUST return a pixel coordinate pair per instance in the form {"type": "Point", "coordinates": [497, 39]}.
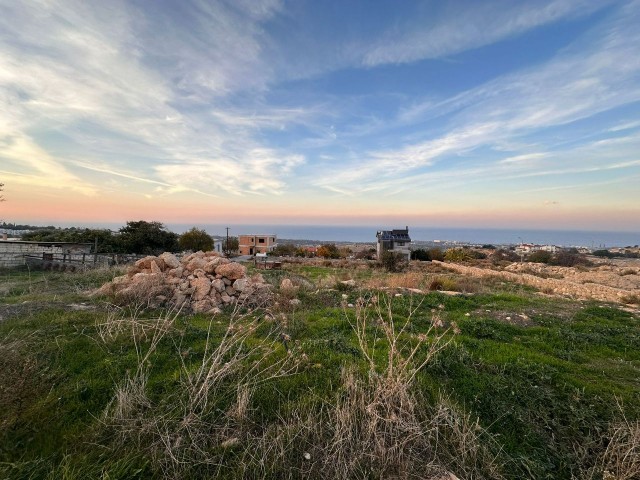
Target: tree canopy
{"type": "Point", "coordinates": [196, 239]}
{"type": "Point", "coordinates": [148, 237]}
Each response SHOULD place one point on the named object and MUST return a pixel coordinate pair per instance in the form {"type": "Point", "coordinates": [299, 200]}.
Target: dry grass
{"type": "Point", "coordinates": [620, 460]}
{"type": "Point", "coordinates": [191, 429]}
{"type": "Point", "coordinates": [378, 426]}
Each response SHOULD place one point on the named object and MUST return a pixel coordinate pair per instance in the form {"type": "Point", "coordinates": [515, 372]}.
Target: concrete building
{"type": "Point", "coordinates": [397, 240]}
{"type": "Point", "coordinates": [256, 243]}
{"type": "Point", "coordinates": [13, 252]}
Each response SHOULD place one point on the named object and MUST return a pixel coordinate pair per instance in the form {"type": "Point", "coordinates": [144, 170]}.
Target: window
{"type": "Point", "coordinates": [261, 240]}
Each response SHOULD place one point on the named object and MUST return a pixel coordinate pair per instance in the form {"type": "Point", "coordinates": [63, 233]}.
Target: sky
{"type": "Point", "coordinates": [491, 114]}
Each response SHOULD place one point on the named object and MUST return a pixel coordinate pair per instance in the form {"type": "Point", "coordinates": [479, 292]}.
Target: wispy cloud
{"type": "Point", "coordinates": [590, 77]}
{"type": "Point", "coordinates": [457, 28]}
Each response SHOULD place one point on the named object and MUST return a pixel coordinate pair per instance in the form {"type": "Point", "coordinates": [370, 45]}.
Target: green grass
{"type": "Point", "coordinates": [546, 390]}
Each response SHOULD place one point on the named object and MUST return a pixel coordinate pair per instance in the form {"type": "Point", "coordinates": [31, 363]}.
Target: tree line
{"type": "Point", "coordinates": [142, 237]}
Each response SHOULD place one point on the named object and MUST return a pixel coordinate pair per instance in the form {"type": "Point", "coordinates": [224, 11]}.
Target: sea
{"type": "Point", "coordinates": [367, 234]}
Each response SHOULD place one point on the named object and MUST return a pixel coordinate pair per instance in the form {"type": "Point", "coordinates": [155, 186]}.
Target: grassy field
{"type": "Point", "coordinates": [329, 380]}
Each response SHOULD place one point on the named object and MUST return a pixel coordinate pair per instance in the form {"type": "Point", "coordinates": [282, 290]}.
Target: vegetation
{"type": "Point", "coordinates": [135, 237]}
{"type": "Point", "coordinates": [349, 382]}
{"type": "Point", "coordinates": [195, 240]}
{"type": "Point", "coordinates": [393, 261]}
{"type": "Point", "coordinates": [230, 245]}
{"type": "Point", "coordinates": [328, 250]}
{"type": "Point", "coordinates": [427, 255]}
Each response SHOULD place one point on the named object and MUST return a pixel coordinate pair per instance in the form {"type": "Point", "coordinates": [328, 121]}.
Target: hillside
{"type": "Point", "coordinates": [345, 371]}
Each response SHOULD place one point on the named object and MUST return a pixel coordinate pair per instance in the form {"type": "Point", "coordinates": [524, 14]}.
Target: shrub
{"type": "Point", "coordinates": [328, 250]}
{"type": "Point", "coordinates": [458, 255]}
{"type": "Point", "coordinates": [569, 259]}
{"type": "Point", "coordinates": [393, 261]}
{"type": "Point", "coordinates": [540, 256]}
{"type": "Point", "coordinates": [501, 255]}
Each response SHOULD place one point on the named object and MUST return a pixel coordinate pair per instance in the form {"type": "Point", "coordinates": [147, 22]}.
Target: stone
{"type": "Point", "coordinates": [286, 284]}
{"type": "Point", "coordinates": [202, 288]}
{"type": "Point", "coordinates": [170, 260]}
{"type": "Point", "coordinates": [295, 301]}
{"type": "Point", "coordinates": [232, 271]}
{"type": "Point", "coordinates": [349, 283]}
{"type": "Point", "coordinates": [227, 281]}
{"type": "Point", "coordinates": [202, 306]}
{"type": "Point", "coordinates": [240, 284]}
{"type": "Point", "coordinates": [230, 291]}
{"type": "Point", "coordinates": [225, 297]}
{"type": "Point", "coordinates": [144, 262]}
{"type": "Point", "coordinates": [218, 284]}
{"type": "Point", "coordinates": [196, 263]}
{"type": "Point", "coordinates": [154, 267]}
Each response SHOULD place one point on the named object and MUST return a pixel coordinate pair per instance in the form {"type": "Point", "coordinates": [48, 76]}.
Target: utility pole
{"type": "Point", "coordinates": [226, 245]}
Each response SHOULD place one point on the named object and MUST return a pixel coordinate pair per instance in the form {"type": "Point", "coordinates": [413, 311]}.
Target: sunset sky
{"type": "Point", "coordinates": [479, 114]}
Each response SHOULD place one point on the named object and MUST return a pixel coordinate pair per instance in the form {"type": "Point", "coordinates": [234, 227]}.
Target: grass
{"type": "Point", "coordinates": [497, 382]}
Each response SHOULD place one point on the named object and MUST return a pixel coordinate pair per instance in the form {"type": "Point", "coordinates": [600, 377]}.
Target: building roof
{"type": "Point", "coordinates": [396, 235]}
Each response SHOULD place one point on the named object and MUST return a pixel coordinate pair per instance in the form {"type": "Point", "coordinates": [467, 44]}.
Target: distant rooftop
{"type": "Point", "coordinates": [396, 235]}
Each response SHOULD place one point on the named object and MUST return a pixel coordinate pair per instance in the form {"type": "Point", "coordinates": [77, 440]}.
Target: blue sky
{"type": "Point", "coordinates": [492, 114]}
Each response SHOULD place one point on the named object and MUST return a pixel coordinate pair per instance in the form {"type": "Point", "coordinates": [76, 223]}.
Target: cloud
{"type": "Point", "coordinates": [259, 172]}
{"type": "Point", "coordinates": [594, 75]}
{"type": "Point", "coordinates": [463, 27]}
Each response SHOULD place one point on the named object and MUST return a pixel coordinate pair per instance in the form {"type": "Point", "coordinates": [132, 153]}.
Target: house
{"type": "Point", "coordinates": [14, 252]}
{"type": "Point", "coordinates": [256, 243]}
{"type": "Point", "coordinates": [217, 245]}
{"type": "Point", "coordinates": [395, 241]}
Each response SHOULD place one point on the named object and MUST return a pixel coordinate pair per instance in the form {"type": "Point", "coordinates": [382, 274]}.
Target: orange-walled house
{"type": "Point", "coordinates": [252, 244]}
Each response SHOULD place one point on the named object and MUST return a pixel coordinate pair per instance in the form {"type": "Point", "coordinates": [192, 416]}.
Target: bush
{"type": "Point", "coordinates": [458, 255]}
{"type": "Point", "coordinates": [196, 239]}
{"type": "Point", "coordinates": [328, 251]}
{"type": "Point", "coordinates": [569, 259]}
{"type": "Point", "coordinates": [502, 255]}
{"type": "Point", "coordinates": [540, 256]}
{"type": "Point", "coordinates": [393, 261]}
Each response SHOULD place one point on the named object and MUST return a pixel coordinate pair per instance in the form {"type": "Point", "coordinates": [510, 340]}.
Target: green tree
{"type": "Point", "coordinates": [147, 237]}
{"type": "Point", "coordinates": [196, 239]}
{"type": "Point", "coordinates": [231, 246]}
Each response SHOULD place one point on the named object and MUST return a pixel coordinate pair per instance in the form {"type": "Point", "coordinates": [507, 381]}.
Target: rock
{"type": "Point", "coordinates": [240, 284]}
{"type": "Point", "coordinates": [214, 311]}
{"type": "Point", "coordinates": [170, 260]}
{"type": "Point", "coordinates": [225, 297]}
{"type": "Point", "coordinates": [202, 306]}
{"type": "Point", "coordinates": [349, 283]}
{"type": "Point", "coordinates": [196, 263]}
{"type": "Point", "coordinates": [202, 288]}
{"type": "Point", "coordinates": [214, 262]}
{"type": "Point", "coordinates": [227, 281]}
{"type": "Point", "coordinates": [155, 268]}
{"type": "Point", "coordinates": [144, 262]}
{"type": "Point", "coordinates": [287, 284]}
{"type": "Point", "coordinates": [230, 291]}
{"type": "Point", "coordinates": [232, 271]}
{"type": "Point", "coordinates": [295, 301]}
{"type": "Point", "coordinates": [218, 284]}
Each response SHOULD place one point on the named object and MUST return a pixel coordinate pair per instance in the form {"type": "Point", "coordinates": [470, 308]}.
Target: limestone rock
{"type": "Point", "coordinates": [232, 271]}
{"type": "Point", "coordinates": [170, 260]}
{"type": "Point", "coordinates": [202, 288]}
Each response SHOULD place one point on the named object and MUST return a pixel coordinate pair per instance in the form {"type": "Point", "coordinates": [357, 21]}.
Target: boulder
{"type": "Point", "coordinates": [144, 262]}
{"type": "Point", "coordinates": [218, 284]}
{"type": "Point", "coordinates": [170, 260]}
{"type": "Point", "coordinates": [232, 271]}
{"type": "Point", "coordinates": [240, 284]}
{"type": "Point", "coordinates": [202, 288]}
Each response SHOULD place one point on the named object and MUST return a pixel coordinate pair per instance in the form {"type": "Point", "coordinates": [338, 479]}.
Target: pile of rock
{"type": "Point", "coordinates": [199, 282]}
